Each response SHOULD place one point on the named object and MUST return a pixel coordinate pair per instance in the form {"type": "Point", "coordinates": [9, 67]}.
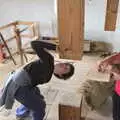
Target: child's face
{"type": "Point", "coordinates": [116, 74]}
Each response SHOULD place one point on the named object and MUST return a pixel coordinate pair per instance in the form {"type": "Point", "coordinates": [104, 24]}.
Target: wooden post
{"type": "Point", "coordinates": [19, 44]}
{"type": "Point", "coordinates": [111, 15]}
{"type": "Point", "coordinates": [37, 28]}
{"type": "Point", "coordinates": [71, 28]}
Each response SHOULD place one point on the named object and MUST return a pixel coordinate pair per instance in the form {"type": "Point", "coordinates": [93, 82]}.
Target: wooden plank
{"type": "Point", "coordinates": [19, 44]}
{"type": "Point", "coordinates": [32, 29]}
{"type": "Point", "coordinates": [24, 23]}
{"type": "Point", "coordinates": [27, 36]}
{"type": "Point", "coordinates": [37, 30]}
{"type": "Point", "coordinates": [11, 38]}
{"type": "Point", "coordinates": [111, 15]}
{"type": "Point", "coordinates": [8, 25]}
{"type": "Point", "coordinates": [71, 28]}
{"type": "Point", "coordinates": [94, 75]}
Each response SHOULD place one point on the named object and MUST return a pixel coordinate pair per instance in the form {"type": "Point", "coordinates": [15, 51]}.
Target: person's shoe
{"type": "Point", "coordinates": [22, 112]}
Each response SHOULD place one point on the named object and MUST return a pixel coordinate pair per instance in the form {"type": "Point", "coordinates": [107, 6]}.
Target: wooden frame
{"type": "Point", "coordinates": [33, 27]}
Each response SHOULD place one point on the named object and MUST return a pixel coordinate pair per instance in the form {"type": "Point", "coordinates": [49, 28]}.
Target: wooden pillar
{"type": "Point", "coordinates": [71, 28]}
{"type": "Point", "coordinates": [111, 15]}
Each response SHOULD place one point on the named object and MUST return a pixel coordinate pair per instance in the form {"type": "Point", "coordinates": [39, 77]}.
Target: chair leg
{"type": "Point", "coordinates": [5, 44]}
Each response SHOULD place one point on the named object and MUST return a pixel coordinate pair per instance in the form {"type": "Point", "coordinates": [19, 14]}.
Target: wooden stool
{"type": "Point", "coordinates": [70, 107]}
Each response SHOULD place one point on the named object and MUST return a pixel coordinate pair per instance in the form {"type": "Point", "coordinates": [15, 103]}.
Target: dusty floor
{"type": "Point", "coordinates": [55, 88]}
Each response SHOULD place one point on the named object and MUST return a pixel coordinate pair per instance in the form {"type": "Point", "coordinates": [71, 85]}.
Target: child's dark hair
{"type": "Point", "coordinates": [116, 66]}
{"type": "Point", "coordinates": [66, 75]}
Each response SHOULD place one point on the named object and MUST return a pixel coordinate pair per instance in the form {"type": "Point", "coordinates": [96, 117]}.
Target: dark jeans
{"type": "Point", "coordinates": [33, 100]}
{"type": "Point", "coordinates": [116, 106]}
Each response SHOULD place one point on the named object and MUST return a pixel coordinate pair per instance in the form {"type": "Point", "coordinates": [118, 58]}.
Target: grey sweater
{"type": "Point", "coordinates": [17, 79]}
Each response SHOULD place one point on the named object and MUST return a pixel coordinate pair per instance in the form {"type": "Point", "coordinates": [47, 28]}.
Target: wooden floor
{"type": "Point", "coordinates": [55, 89]}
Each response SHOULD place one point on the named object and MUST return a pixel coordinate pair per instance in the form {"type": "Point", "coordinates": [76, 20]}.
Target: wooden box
{"type": "Point", "coordinates": [70, 107]}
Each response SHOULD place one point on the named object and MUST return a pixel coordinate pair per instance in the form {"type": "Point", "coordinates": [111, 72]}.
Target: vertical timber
{"type": "Point", "coordinates": [71, 28]}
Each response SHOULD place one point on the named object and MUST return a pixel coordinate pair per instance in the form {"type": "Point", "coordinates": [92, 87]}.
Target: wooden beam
{"type": "Point", "coordinates": [27, 36]}
{"type": "Point", "coordinates": [8, 25]}
{"type": "Point", "coordinates": [37, 30]}
{"type": "Point", "coordinates": [24, 23]}
{"type": "Point", "coordinates": [10, 39]}
{"type": "Point", "coordinates": [71, 28]}
{"type": "Point", "coordinates": [111, 15]}
{"type": "Point", "coordinates": [19, 44]}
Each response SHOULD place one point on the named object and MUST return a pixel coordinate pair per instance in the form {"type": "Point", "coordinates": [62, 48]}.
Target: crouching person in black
{"type": "Point", "coordinates": [21, 85]}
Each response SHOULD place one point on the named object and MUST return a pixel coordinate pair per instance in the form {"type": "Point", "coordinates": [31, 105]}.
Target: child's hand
{"type": "Point", "coordinates": [115, 76]}
{"type": "Point", "coordinates": [102, 66]}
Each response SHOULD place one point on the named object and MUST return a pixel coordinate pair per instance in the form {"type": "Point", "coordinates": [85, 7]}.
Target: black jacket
{"type": "Point", "coordinates": [41, 70]}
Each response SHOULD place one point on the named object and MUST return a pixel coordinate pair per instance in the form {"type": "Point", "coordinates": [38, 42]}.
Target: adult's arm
{"type": "Point", "coordinates": [109, 61]}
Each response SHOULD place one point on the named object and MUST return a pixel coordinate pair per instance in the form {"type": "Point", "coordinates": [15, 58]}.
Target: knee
{"type": "Point", "coordinates": [40, 111]}
{"type": "Point", "coordinates": [41, 106]}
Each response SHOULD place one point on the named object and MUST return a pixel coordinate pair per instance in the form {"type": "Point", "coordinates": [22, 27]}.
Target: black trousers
{"type": "Point", "coordinates": [116, 106]}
